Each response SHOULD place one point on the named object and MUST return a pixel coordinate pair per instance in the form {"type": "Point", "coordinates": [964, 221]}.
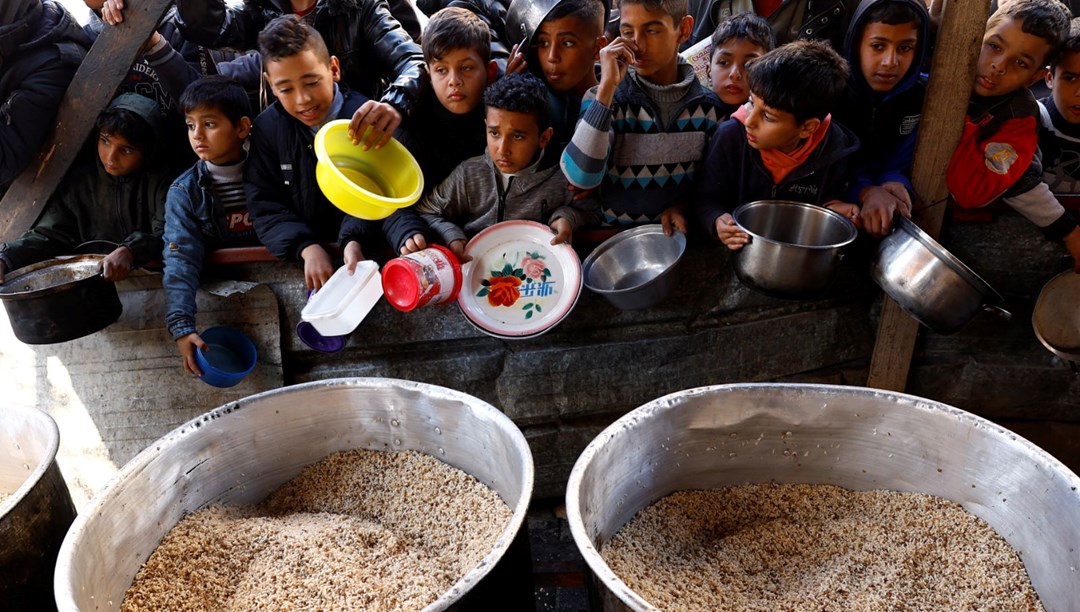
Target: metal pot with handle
{"type": "Point", "coordinates": [1056, 317]}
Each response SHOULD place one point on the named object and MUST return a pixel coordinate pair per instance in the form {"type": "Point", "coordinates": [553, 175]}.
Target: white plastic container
{"type": "Point", "coordinates": [344, 301]}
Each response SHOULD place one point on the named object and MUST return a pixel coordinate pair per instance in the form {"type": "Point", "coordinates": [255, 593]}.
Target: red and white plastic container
{"type": "Point", "coordinates": [430, 276]}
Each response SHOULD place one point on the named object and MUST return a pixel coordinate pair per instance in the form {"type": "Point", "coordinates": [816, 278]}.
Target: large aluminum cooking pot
{"type": "Point", "coordinates": [37, 512]}
{"type": "Point", "coordinates": [240, 452]}
{"type": "Point", "coordinates": [57, 300]}
{"type": "Point", "coordinates": [1056, 316]}
{"type": "Point", "coordinates": [861, 439]}
{"type": "Point", "coordinates": [928, 282]}
{"type": "Point", "coordinates": [794, 247]}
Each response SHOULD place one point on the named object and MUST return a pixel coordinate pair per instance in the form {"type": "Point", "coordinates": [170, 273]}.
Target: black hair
{"type": "Point", "coordinates": [676, 9]}
{"type": "Point", "coordinates": [288, 35]}
{"type": "Point", "coordinates": [217, 92]}
{"type": "Point", "coordinates": [455, 28]}
{"type": "Point", "coordinates": [745, 26]}
{"type": "Point", "coordinates": [520, 93]}
{"type": "Point", "coordinates": [892, 13]}
{"type": "Point", "coordinates": [1071, 44]}
{"type": "Point", "coordinates": [587, 11]}
{"type": "Point", "coordinates": [1047, 19]}
{"type": "Point", "coordinates": [804, 78]}
{"type": "Point", "coordinates": [136, 130]}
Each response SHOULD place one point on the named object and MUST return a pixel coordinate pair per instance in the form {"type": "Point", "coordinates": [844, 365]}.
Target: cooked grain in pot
{"type": "Point", "coordinates": [816, 547]}
{"type": "Point", "coordinates": [359, 530]}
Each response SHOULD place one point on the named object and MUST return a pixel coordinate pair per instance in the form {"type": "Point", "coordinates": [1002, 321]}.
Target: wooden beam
{"type": "Point", "coordinates": [951, 76]}
{"type": "Point", "coordinates": [91, 89]}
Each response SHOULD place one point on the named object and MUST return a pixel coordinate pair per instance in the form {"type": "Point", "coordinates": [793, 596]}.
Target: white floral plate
{"type": "Point", "coordinates": [518, 285]}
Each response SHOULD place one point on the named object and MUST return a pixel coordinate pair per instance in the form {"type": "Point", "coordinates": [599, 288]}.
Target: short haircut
{"type": "Point", "coordinates": [218, 92]}
{"type": "Point", "coordinates": [1047, 19]}
{"type": "Point", "coordinates": [804, 78]}
{"type": "Point", "coordinates": [1071, 44]}
{"type": "Point", "coordinates": [591, 12]}
{"type": "Point", "coordinates": [455, 28]}
{"type": "Point", "coordinates": [895, 12]}
{"type": "Point", "coordinates": [287, 36]}
{"type": "Point", "coordinates": [133, 127]}
{"type": "Point", "coordinates": [520, 93]}
{"type": "Point", "coordinates": [676, 9]}
{"type": "Point", "coordinates": [745, 26]}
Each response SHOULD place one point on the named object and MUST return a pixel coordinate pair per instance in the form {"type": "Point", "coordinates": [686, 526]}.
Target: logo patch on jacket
{"type": "Point", "coordinates": [909, 123]}
{"type": "Point", "coordinates": [999, 156]}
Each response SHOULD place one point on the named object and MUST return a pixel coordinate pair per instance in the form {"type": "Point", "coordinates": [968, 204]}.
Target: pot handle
{"type": "Point", "coordinates": [999, 311]}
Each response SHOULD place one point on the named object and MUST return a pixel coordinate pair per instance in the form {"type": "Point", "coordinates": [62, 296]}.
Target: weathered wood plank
{"type": "Point", "coordinates": [91, 89]}
{"type": "Point", "coordinates": [946, 103]}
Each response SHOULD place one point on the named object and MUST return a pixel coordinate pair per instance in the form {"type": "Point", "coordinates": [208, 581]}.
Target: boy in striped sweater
{"type": "Point", "coordinates": [206, 207]}
{"type": "Point", "coordinates": [644, 127]}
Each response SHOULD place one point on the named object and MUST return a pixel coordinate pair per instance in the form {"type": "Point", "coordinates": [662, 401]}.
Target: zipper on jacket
{"type": "Point", "coordinates": [501, 210]}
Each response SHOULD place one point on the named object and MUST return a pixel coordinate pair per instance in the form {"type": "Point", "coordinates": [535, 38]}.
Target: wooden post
{"type": "Point", "coordinates": [90, 91]}
{"type": "Point", "coordinates": [951, 77]}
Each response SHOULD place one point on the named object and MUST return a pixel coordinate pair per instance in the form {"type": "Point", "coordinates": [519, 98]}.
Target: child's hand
{"type": "Point", "coordinates": [879, 203]}
{"type": "Point", "coordinates": [615, 58]}
{"type": "Point", "coordinates": [730, 234]}
{"type": "Point", "coordinates": [317, 266]}
{"type": "Point", "coordinates": [563, 231]}
{"type": "Point", "coordinates": [1072, 243]}
{"type": "Point", "coordinates": [353, 255]}
{"type": "Point", "coordinates": [117, 265]}
{"type": "Point", "coordinates": [188, 345]}
{"type": "Point", "coordinates": [415, 243]}
{"type": "Point", "coordinates": [516, 63]}
{"type": "Point", "coordinates": [579, 193]}
{"type": "Point", "coordinates": [850, 211]}
{"type": "Point", "coordinates": [672, 220]}
{"type": "Point", "coordinates": [382, 118]}
{"type": "Point", "coordinates": [112, 12]}
{"type": "Point", "coordinates": [457, 247]}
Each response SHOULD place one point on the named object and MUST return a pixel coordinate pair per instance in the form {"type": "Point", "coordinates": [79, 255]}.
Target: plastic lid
{"type": "Point", "coordinates": [400, 286]}
{"type": "Point", "coordinates": [324, 344]}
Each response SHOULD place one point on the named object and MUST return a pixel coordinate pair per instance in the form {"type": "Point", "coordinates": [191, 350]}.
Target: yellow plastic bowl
{"type": "Point", "coordinates": [368, 184]}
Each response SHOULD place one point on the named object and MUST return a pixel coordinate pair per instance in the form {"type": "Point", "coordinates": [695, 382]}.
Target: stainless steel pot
{"type": "Point", "coordinates": [1056, 316]}
{"type": "Point", "coordinates": [794, 247]}
{"type": "Point", "coordinates": [857, 438]}
{"type": "Point", "coordinates": [928, 282]}
{"type": "Point", "coordinates": [240, 452]}
{"type": "Point", "coordinates": [634, 268]}
{"type": "Point", "coordinates": [57, 300]}
{"type": "Point", "coordinates": [37, 512]}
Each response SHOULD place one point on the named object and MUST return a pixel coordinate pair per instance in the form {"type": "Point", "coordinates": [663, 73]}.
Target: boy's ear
{"type": "Point", "coordinates": [600, 42]}
{"type": "Point", "coordinates": [492, 72]}
{"type": "Point", "coordinates": [1049, 77]}
{"type": "Point", "coordinates": [335, 68]}
{"type": "Point", "coordinates": [685, 27]}
{"type": "Point", "coordinates": [244, 127]}
{"type": "Point", "coordinates": [808, 127]}
{"type": "Point", "coordinates": [545, 136]}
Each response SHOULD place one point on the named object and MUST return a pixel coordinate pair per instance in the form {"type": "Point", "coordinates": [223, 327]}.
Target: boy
{"type": "Point", "coordinates": [738, 40]}
{"type": "Point", "coordinates": [645, 126]}
{"type": "Point", "coordinates": [783, 144]}
{"type": "Point", "coordinates": [886, 45]}
{"type": "Point", "coordinates": [205, 208]}
{"type": "Point", "coordinates": [290, 214]}
{"type": "Point", "coordinates": [119, 199]}
{"type": "Point", "coordinates": [1059, 138]}
{"type": "Point", "coordinates": [996, 155]}
{"type": "Point", "coordinates": [506, 182]}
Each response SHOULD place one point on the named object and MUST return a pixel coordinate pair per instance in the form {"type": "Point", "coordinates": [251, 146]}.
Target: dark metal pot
{"type": "Point", "coordinates": [1056, 317]}
{"type": "Point", "coordinates": [794, 247]}
{"type": "Point", "coordinates": [928, 282]}
{"type": "Point", "coordinates": [59, 299]}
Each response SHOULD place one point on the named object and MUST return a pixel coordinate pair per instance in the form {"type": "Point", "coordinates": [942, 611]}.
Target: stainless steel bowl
{"type": "Point", "coordinates": [794, 247]}
{"type": "Point", "coordinates": [852, 437]}
{"type": "Point", "coordinates": [633, 269]}
{"type": "Point", "coordinates": [240, 452]}
{"type": "Point", "coordinates": [1056, 317]}
{"type": "Point", "coordinates": [928, 282]}
{"type": "Point", "coordinates": [37, 512]}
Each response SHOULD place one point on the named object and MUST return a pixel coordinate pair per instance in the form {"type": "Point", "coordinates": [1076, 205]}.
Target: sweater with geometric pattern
{"type": "Point", "coordinates": [642, 165]}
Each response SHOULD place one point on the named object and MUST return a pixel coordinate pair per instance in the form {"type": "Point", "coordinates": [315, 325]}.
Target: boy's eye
{"type": "Point", "coordinates": [127, 150]}
{"type": "Point", "coordinates": [190, 126]}
{"type": "Point", "coordinates": [907, 48]}
{"type": "Point", "coordinates": [542, 44]}
{"type": "Point", "coordinates": [877, 46]}
{"type": "Point", "coordinates": [1022, 64]}
{"type": "Point", "coordinates": [493, 133]}
{"type": "Point", "coordinates": [284, 90]}
{"type": "Point", "coordinates": [568, 43]}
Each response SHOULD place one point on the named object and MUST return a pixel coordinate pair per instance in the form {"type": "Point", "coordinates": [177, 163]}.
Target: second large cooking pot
{"type": "Point", "coordinates": [57, 300]}
{"type": "Point", "coordinates": [929, 282]}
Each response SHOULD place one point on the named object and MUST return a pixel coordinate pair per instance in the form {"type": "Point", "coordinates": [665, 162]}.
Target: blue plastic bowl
{"type": "Point", "coordinates": [231, 356]}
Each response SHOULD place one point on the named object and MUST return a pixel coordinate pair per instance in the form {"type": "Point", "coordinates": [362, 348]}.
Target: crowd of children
{"type": "Point", "coordinates": [577, 126]}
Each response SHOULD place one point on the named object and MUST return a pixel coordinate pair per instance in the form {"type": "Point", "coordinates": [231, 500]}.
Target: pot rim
{"type": "Point", "coordinates": [853, 232]}
{"type": "Point", "coordinates": [990, 295]}
{"type": "Point", "coordinates": [623, 236]}
{"type": "Point", "coordinates": [52, 432]}
{"type": "Point", "coordinates": [11, 278]}
{"type": "Point", "coordinates": [1040, 304]}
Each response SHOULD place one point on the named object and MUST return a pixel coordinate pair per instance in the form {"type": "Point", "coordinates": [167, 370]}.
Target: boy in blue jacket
{"type": "Point", "coordinates": [783, 144]}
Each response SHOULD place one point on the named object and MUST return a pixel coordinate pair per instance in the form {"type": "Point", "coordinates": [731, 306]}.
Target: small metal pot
{"type": "Point", "coordinates": [57, 300]}
{"type": "Point", "coordinates": [794, 247]}
{"type": "Point", "coordinates": [928, 282]}
{"type": "Point", "coordinates": [1056, 317]}
{"type": "Point", "coordinates": [633, 269]}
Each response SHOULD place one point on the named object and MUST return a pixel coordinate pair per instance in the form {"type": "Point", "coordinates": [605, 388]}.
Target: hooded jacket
{"type": "Point", "coordinates": [734, 174]}
{"type": "Point", "coordinates": [373, 48]}
{"type": "Point", "coordinates": [39, 53]}
{"type": "Point", "coordinates": [886, 124]}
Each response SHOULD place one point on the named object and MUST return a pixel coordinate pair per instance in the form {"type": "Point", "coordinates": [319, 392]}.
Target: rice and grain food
{"type": "Point", "coordinates": [359, 530]}
{"type": "Point", "coordinates": [816, 547]}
